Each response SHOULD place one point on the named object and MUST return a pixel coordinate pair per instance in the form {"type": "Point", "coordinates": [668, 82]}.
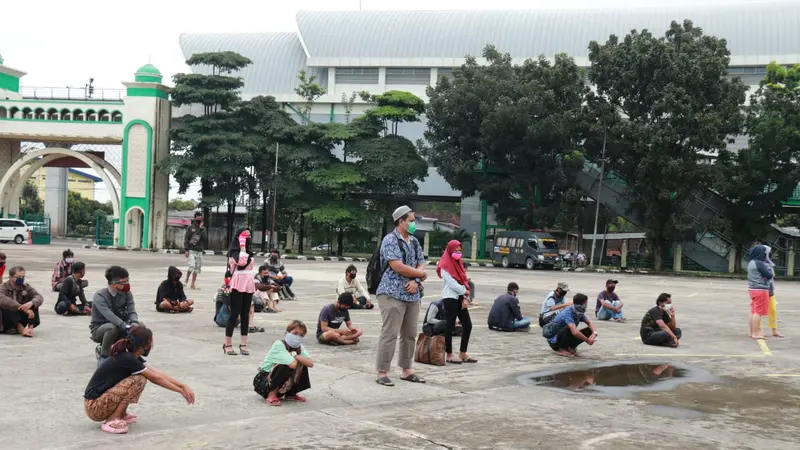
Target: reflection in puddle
{"type": "Point", "coordinates": [619, 379]}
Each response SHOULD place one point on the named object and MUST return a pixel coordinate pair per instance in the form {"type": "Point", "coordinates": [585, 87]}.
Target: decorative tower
{"type": "Point", "coordinates": [9, 148]}
{"type": "Point", "coordinates": [143, 200]}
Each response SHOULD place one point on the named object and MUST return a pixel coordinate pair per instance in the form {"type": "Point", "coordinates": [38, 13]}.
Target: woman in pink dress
{"type": "Point", "coordinates": [240, 266]}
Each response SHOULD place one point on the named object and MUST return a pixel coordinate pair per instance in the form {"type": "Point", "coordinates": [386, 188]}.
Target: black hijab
{"type": "Point", "coordinates": [233, 248]}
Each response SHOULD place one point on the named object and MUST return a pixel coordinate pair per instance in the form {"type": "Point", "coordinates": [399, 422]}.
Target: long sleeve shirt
{"type": "Point", "coordinates": [242, 278]}
{"type": "Point", "coordinates": [354, 288]}
{"type": "Point", "coordinates": [113, 307]}
{"type": "Point", "coordinates": [11, 296]}
{"type": "Point", "coordinates": [71, 291]}
{"type": "Point", "coordinates": [450, 287]}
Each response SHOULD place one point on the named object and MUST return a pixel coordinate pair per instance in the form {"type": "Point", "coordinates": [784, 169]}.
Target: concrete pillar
{"type": "Point", "coordinates": [331, 80]}
{"type": "Point", "coordinates": [434, 76]}
{"type": "Point", "coordinates": [624, 256]}
{"type": "Point", "coordinates": [426, 246]}
{"type": "Point", "coordinates": [382, 81]}
{"type": "Point", "coordinates": [677, 258]}
{"type": "Point", "coordinates": [790, 263]}
{"type": "Point", "coordinates": [474, 246]}
{"type": "Point", "coordinates": [731, 259]}
{"type": "Point", "coordinates": [290, 239]}
{"type": "Point", "coordinates": [55, 199]}
{"type": "Point", "coordinates": [9, 152]}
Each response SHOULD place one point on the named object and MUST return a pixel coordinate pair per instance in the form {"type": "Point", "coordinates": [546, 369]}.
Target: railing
{"type": "Point", "coordinates": [71, 93]}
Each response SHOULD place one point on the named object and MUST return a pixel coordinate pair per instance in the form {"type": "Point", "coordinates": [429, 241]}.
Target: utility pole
{"type": "Point", "coordinates": [272, 241]}
{"type": "Point", "coordinates": [597, 200]}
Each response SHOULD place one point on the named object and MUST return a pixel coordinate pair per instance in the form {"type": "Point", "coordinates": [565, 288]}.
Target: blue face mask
{"type": "Point", "coordinates": [293, 340]}
{"type": "Point", "coordinates": [19, 281]}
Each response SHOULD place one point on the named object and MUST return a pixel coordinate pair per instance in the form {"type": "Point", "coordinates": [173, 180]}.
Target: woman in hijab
{"type": "Point", "coordinates": [170, 297]}
{"type": "Point", "coordinates": [455, 295]}
{"type": "Point", "coordinates": [240, 267]}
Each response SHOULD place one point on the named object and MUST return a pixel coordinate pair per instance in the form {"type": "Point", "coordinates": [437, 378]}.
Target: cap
{"type": "Point", "coordinates": [400, 212]}
{"type": "Point", "coordinates": [563, 286]}
{"type": "Point", "coordinates": [611, 281]}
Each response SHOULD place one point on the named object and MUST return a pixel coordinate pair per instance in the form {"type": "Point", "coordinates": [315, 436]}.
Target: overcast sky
{"type": "Point", "coordinates": [64, 43]}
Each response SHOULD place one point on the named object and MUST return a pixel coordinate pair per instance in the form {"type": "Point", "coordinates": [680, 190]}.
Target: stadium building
{"type": "Point", "coordinates": [378, 51]}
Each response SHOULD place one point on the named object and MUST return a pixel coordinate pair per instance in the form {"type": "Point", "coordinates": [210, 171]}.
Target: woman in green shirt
{"type": "Point", "coordinates": [284, 371]}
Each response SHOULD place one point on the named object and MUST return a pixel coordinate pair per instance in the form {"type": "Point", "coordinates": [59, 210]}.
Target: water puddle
{"type": "Point", "coordinates": [618, 379]}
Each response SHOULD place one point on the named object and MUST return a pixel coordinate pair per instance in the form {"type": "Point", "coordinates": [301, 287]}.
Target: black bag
{"type": "Point", "coordinates": [375, 271]}
{"type": "Point", "coordinates": [261, 383]}
{"type": "Point", "coordinates": [550, 330]}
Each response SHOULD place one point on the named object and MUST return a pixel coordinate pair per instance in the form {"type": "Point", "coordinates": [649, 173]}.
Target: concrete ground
{"type": "Point", "coordinates": [754, 404]}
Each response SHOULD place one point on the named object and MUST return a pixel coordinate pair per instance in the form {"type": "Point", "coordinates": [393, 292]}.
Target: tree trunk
{"type": "Point", "coordinates": [205, 192]}
{"type": "Point", "coordinates": [737, 262]}
{"type": "Point", "coordinates": [658, 254]}
{"type": "Point", "coordinates": [384, 229]}
{"type": "Point", "coordinates": [264, 222]}
{"type": "Point", "coordinates": [302, 233]}
{"type": "Point", "coordinates": [532, 199]}
{"type": "Point", "coordinates": [340, 243]}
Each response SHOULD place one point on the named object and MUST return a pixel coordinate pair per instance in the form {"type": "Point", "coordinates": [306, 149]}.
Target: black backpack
{"type": "Point", "coordinates": [375, 270]}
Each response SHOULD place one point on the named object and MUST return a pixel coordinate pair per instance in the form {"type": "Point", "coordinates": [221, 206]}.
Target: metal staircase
{"type": "Point", "coordinates": [709, 249]}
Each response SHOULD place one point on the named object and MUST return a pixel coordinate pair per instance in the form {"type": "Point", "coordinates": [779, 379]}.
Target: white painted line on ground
{"type": "Point", "coordinates": [588, 444]}
{"type": "Point", "coordinates": [684, 355]}
{"type": "Point", "coordinates": [692, 295]}
{"type": "Point", "coordinates": [782, 375]}
{"type": "Point", "coordinates": [763, 344]}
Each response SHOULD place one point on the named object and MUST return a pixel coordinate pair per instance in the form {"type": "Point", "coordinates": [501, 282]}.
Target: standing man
{"type": "Point", "coordinates": [608, 305]}
{"type": "Point", "coordinates": [554, 302]}
{"type": "Point", "coordinates": [759, 282]}
{"type": "Point", "coordinates": [194, 244]}
{"type": "Point", "coordinates": [399, 295]}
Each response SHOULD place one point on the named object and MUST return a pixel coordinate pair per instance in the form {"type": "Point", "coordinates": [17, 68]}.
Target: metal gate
{"type": "Point", "coordinates": [104, 230]}
{"type": "Point", "coordinates": [40, 228]}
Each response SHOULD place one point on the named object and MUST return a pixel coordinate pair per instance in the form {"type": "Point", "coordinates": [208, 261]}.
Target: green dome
{"type": "Point", "coordinates": [148, 74]}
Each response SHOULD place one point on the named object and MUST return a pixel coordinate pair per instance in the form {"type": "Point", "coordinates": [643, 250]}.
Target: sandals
{"type": "Point", "coordinates": [296, 398]}
{"type": "Point", "coordinates": [274, 401]}
{"type": "Point", "coordinates": [413, 378]}
{"type": "Point", "coordinates": [255, 329]}
{"type": "Point", "coordinates": [454, 361]}
{"type": "Point", "coordinates": [468, 360]}
{"type": "Point", "coordinates": [384, 381]}
{"type": "Point", "coordinates": [117, 426]}
{"type": "Point", "coordinates": [244, 351]}
{"type": "Point", "coordinates": [130, 419]}
{"type": "Point", "coordinates": [228, 352]}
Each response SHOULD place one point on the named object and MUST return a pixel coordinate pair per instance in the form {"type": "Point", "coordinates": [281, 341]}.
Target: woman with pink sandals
{"type": "Point", "coordinates": [120, 379]}
{"type": "Point", "coordinates": [284, 371]}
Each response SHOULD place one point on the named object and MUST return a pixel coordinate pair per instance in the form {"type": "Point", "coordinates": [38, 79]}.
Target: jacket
{"type": "Point", "coordinates": [504, 312]}
{"type": "Point", "coordinates": [118, 309]}
{"type": "Point", "coordinates": [170, 290]}
{"type": "Point", "coordinates": [70, 291]}
{"type": "Point", "coordinates": [11, 298]}
{"type": "Point", "coordinates": [759, 273]}
{"type": "Point", "coordinates": [435, 313]}
{"type": "Point", "coordinates": [200, 243]}
{"type": "Point", "coordinates": [450, 287]}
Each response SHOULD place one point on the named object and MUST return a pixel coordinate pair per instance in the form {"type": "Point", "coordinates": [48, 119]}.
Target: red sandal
{"type": "Point", "coordinates": [296, 398]}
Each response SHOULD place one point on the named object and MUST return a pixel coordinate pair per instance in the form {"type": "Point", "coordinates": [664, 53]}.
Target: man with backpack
{"type": "Point", "coordinates": [395, 273]}
{"type": "Point", "coordinates": [194, 246]}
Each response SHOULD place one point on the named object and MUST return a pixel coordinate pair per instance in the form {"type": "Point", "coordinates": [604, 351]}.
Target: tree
{"type": "Point", "coordinates": [677, 101]}
{"type": "Point", "coordinates": [82, 213]}
{"type": "Point", "coordinates": [180, 204]}
{"type": "Point", "coordinates": [310, 91]}
{"type": "Point", "coordinates": [510, 133]}
{"type": "Point", "coordinates": [29, 200]}
{"type": "Point", "coordinates": [757, 179]}
{"type": "Point", "coordinates": [210, 147]}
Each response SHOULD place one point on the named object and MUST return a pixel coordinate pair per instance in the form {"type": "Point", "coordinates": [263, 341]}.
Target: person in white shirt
{"type": "Point", "coordinates": [352, 286]}
{"type": "Point", "coordinates": [455, 295]}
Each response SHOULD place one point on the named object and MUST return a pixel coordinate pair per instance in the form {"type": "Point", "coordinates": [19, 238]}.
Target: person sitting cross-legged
{"type": "Point", "coordinates": [284, 371]}
{"type": "Point", "coordinates": [19, 304]}
{"type": "Point", "coordinates": [266, 291]}
{"type": "Point", "coordinates": [566, 336]}
{"type": "Point", "coordinates": [435, 320]}
{"type": "Point", "coordinates": [71, 292]}
{"type": "Point", "coordinates": [505, 314]}
{"type": "Point", "coordinates": [331, 318]}
{"type": "Point", "coordinates": [277, 272]}
{"type": "Point", "coordinates": [659, 325]}
{"type": "Point", "coordinates": [553, 303]}
{"type": "Point", "coordinates": [609, 306]}
{"type": "Point", "coordinates": [349, 283]}
{"type": "Point", "coordinates": [119, 381]}
{"type": "Point", "coordinates": [170, 297]}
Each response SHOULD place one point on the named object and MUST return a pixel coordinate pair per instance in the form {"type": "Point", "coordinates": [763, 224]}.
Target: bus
{"type": "Point", "coordinates": [532, 249]}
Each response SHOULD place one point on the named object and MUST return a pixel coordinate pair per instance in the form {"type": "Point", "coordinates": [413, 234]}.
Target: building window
{"type": "Point", "coordinates": [446, 72]}
{"type": "Point", "coordinates": [357, 75]}
{"type": "Point", "coordinates": [411, 75]}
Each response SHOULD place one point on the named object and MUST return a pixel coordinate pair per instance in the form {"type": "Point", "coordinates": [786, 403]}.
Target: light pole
{"type": "Point", "coordinates": [597, 200]}
{"type": "Point", "coordinates": [272, 241]}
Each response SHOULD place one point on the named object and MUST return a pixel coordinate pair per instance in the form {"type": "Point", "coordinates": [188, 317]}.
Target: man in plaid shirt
{"type": "Point", "coordinates": [63, 270]}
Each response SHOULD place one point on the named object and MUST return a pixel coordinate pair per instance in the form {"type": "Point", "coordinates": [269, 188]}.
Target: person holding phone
{"type": "Point", "coordinates": [242, 283]}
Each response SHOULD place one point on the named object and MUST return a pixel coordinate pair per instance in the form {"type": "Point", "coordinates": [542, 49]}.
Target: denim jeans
{"type": "Point", "coordinates": [607, 314]}
{"type": "Point", "coordinates": [524, 323]}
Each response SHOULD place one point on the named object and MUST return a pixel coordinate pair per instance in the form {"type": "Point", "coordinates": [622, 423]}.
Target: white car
{"type": "Point", "coordinates": [13, 230]}
{"type": "Point", "coordinates": [320, 248]}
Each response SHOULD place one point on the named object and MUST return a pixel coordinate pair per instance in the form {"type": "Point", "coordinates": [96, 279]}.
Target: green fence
{"type": "Point", "coordinates": [104, 230]}
{"type": "Point", "coordinates": [40, 228]}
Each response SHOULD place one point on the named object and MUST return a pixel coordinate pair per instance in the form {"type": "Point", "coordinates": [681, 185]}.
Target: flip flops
{"type": "Point", "coordinates": [413, 378]}
{"type": "Point", "coordinates": [385, 381]}
{"type": "Point", "coordinates": [117, 426]}
{"type": "Point", "coordinates": [274, 401]}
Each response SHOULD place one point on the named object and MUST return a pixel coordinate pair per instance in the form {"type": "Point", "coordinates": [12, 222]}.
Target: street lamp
{"type": "Point", "coordinates": [597, 200]}
{"type": "Point", "coordinates": [272, 241]}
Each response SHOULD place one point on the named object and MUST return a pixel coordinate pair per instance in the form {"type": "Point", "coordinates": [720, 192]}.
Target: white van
{"type": "Point", "coordinates": [13, 230]}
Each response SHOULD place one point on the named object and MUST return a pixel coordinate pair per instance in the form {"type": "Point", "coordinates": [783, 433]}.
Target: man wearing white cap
{"type": "Point", "coordinates": [399, 296]}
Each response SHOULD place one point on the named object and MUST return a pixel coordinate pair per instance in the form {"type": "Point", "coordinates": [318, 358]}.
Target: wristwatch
{"type": "Point", "coordinates": [418, 280]}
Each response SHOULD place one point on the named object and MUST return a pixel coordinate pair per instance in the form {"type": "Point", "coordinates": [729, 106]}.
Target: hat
{"type": "Point", "coordinates": [400, 212]}
{"type": "Point", "coordinates": [563, 286]}
{"type": "Point", "coordinates": [610, 281]}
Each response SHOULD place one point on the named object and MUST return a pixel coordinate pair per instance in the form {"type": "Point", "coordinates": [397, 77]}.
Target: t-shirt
{"type": "Point", "coordinates": [333, 316]}
{"type": "Point", "coordinates": [564, 318]}
{"type": "Point", "coordinates": [112, 371]}
{"type": "Point", "coordinates": [605, 296]}
{"type": "Point", "coordinates": [649, 321]}
{"type": "Point", "coordinates": [278, 354]}
{"type": "Point", "coordinates": [550, 301]}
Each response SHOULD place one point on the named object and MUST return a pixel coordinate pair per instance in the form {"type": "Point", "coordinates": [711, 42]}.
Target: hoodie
{"type": "Point", "coordinates": [759, 273]}
{"type": "Point", "coordinates": [171, 288]}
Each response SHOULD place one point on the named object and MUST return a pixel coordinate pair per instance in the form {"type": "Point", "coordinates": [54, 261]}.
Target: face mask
{"type": "Point", "coordinates": [610, 288]}
{"type": "Point", "coordinates": [19, 281]}
{"type": "Point", "coordinates": [666, 307]}
{"type": "Point", "coordinates": [69, 260]}
{"type": "Point", "coordinates": [125, 288]}
{"type": "Point", "coordinates": [146, 351]}
{"type": "Point", "coordinates": [412, 227]}
{"type": "Point", "coordinates": [178, 276]}
{"type": "Point", "coordinates": [580, 308]}
{"type": "Point", "coordinates": [2, 263]}
{"type": "Point", "coordinates": [351, 274]}
{"type": "Point", "coordinates": [274, 258]}
{"type": "Point", "coordinates": [293, 340]}
{"type": "Point", "coordinates": [457, 255]}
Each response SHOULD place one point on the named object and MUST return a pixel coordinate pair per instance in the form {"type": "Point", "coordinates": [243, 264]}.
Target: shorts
{"type": "Point", "coordinates": [195, 261]}
{"type": "Point", "coordinates": [759, 302]}
{"type": "Point", "coordinates": [321, 339]}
